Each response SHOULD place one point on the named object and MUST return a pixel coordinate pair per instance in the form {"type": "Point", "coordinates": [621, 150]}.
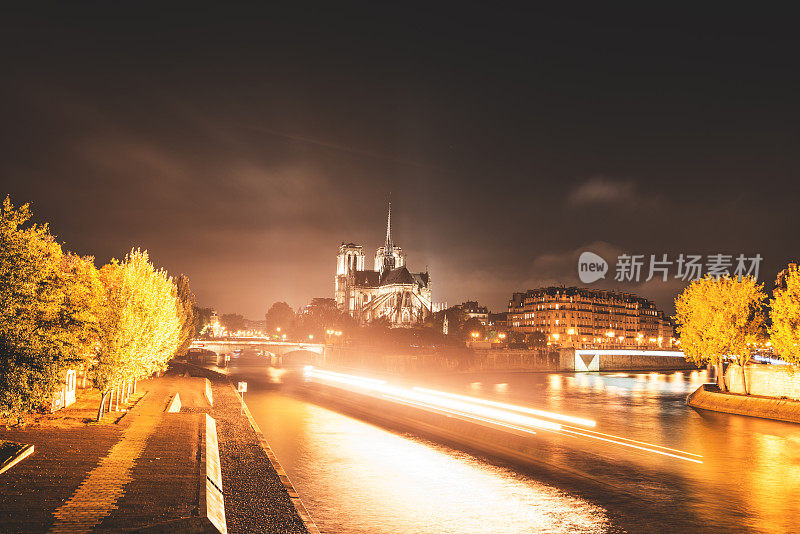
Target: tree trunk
{"type": "Point", "coordinates": [116, 404]}
{"type": "Point", "coordinates": [744, 381]}
{"type": "Point", "coordinates": [100, 408]}
{"type": "Point", "coordinates": [135, 383]}
{"type": "Point", "coordinates": [721, 374]}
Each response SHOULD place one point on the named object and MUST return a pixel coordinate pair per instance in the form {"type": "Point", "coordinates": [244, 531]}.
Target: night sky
{"type": "Point", "coordinates": [241, 147]}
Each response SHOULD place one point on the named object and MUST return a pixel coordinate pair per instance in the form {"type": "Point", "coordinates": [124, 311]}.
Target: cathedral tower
{"type": "Point", "coordinates": [389, 256]}
{"type": "Point", "coordinates": [349, 260]}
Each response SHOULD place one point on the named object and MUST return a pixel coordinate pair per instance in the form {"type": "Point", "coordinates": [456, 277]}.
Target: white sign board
{"type": "Point", "coordinates": [241, 387]}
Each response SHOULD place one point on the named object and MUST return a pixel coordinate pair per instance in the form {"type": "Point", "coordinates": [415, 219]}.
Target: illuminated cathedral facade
{"type": "Point", "coordinates": [390, 292]}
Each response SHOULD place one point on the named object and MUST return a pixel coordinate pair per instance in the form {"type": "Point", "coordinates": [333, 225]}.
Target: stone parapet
{"type": "Point", "coordinates": [708, 397]}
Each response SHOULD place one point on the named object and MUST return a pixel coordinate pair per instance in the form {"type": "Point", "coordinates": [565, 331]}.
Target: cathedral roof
{"type": "Point", "coordinates": [366, 278]}
{"type": "Point", "coordinates": [401, 275]}
{"type": "Point", "coordinates": [398, 276]}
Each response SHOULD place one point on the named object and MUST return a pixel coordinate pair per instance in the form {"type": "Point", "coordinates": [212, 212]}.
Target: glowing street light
{"type": "Point", "coordinates": [310, 336]}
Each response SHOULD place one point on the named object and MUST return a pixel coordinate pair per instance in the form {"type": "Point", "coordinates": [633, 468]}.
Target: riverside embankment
{"type": "Point", "coordinates": [150, 470]}
{"type": "Point", "coordinates": [462, 360]}
{"type": "Point", "coordinates": [709, 397]}
{"type": "Point", "coordinates": [773, 392]}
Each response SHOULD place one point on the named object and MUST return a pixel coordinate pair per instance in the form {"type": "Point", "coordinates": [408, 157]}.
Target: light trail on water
{"type": "Point", "coordinates": [484, 411]}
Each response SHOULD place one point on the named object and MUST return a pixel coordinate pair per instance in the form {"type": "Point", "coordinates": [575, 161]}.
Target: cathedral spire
{"type": "Point", "coordinates": [388, 262]}
{"type": "Point", "coordinates": [388, 245]}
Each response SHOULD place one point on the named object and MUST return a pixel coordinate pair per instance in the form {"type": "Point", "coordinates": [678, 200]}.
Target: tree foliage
{"type": "Point", "coordinates": [319, 316]}
{"type": "Point", "coordinates": [48, 304]}
{"type": "Point", "coordinates": [141, 324]}
{"type": "Point", "coordinates": [233, 322]}
{"type": "Point", "coordinates": [719, 317]}
{"type": "Point", "coordinates": [785, 330]}
{"type": "Point", "coordinates": [188, 314]}
{"type": "Point", "coordinates": [57, 311]}
{"type": "Point", "coordinates": [280, 315]}
{"type": "Point", "coordinates": [203, 317]}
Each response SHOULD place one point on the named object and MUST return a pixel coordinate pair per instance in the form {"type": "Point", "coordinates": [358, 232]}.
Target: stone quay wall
{"type": "Point", "coordinates": [708, 397]}
{"type": "Point", "coordinates": [494, 360]}
{"type": "Point", "coordinates": [779, 381]}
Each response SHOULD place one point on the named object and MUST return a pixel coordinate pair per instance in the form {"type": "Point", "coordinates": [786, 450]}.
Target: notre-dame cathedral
{"type": "Point", "coordinates": [390, 291]}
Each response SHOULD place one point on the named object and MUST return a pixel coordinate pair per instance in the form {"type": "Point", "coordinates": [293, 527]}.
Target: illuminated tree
{"type": "Point", "coordinates": [719, 317]}
{"type": "Point", "coordinates": [141, 324]}
{"type": "Point", "coordinates": [81, 308]}
{"type": "Point", "coordinates": [187, 308]}
{"type": "Point", "coordinates": [785, 330]}
{"type": "Point", "coordinates": [48, 305]}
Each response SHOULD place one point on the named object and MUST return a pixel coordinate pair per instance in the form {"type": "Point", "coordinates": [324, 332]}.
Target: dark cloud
{"type": "Point", "coordinates": [242, 147]}
{"type": "Point", "coordinates": [601, 190]}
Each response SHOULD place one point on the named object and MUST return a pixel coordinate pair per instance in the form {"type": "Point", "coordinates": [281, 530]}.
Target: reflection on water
{"type": "Point", "coordinates": [355, 477]}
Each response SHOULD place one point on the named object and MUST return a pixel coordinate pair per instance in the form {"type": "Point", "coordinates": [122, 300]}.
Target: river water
{"type": "Point", "coordinates": [355, 477]}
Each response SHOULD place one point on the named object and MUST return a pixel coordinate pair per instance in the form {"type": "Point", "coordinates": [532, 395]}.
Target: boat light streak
{"type": "Point", "coordinates": [678, 456]}
{"type": "Point", "coordinates": [541, 413]}
{"type": "Point", "coordinates": [457, 414]}
{"type": "Point", "coordinates": [486, 411]}
{"type": "Point", "coordinates": [380, 387]}
{"type": "Point", "coordinates": [492, 414]}
{"type": "Point", "coordinates": [583, 431]}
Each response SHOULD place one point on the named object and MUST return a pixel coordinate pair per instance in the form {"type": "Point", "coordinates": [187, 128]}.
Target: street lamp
{"type": "Point", "coordinates": [310, 336]}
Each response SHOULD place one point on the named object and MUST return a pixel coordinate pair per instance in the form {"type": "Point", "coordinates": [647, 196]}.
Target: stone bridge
{"type": "Point", "coordinates": [280, 351]}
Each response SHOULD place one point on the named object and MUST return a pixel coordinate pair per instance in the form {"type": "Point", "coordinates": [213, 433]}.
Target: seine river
{"type": "Point", "coordinates": [356, 477]}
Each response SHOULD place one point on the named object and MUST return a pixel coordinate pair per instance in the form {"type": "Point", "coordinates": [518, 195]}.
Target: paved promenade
{"type": "Point", "coordinates": [145, 469]}
{"type": "Point", "coordinates": [257, 499]}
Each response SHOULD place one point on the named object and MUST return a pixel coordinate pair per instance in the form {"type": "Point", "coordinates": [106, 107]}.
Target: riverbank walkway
{"type": "Point", "coordinates": [144, 469]}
